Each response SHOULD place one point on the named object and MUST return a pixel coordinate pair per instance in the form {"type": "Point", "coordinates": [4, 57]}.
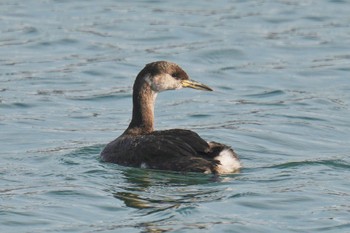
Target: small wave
{"type": "Point", "coordinates": [267, 94]}
{"type": "Point", "coordinates": [333, 163]}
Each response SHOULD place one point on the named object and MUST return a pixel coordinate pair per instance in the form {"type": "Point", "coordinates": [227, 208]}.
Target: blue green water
{"type": "Point", "coordinates": [280, 71]}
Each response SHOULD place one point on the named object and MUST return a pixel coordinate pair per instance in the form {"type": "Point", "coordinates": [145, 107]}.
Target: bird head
{"type": "Point", "coordinates": [163, 75]}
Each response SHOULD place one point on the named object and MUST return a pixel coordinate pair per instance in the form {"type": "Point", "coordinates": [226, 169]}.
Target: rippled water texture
{"type": "Point", "coordinates": [280, 71]}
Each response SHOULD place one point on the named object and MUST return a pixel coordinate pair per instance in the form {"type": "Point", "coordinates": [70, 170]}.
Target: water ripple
{"type": "Point", "coordinates": [332, 163]}
{"type": "Point", "coordinates": [280, 74]}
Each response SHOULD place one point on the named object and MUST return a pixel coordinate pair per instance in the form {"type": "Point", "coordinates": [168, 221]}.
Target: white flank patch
{"type": "Point", "coordinates": [143, 165]}
{"type": "Point", "coordinates": [229, 163]}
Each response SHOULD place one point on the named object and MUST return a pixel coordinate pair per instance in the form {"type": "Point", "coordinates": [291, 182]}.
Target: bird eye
{"type": "Point", "coordinates": [176, 75]}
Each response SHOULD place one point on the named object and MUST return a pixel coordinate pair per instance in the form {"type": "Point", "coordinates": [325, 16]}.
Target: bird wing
{"type": "Point", "coordinates": [185, 137]}
{"type": "Point", "coordinates": [172, 150]}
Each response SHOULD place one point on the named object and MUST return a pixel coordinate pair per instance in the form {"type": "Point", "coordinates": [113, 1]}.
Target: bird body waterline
{"type": "Point", "coordinates": [175, 149]}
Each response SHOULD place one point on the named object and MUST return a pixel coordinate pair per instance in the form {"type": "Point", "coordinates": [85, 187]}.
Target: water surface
{"type": "Point", "coordinates": [280, 71]}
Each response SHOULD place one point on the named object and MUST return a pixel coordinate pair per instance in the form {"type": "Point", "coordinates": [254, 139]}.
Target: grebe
{"type": "Point", "coordinates": [175, 149]}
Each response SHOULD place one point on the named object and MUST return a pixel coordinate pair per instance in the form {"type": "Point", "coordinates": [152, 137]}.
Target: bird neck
{"type": "Point", "coordinates": [142, 121]}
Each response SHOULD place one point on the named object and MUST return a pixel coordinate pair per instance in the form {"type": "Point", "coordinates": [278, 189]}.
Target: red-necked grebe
{"type": "Point", "coordinates": [174, 149]}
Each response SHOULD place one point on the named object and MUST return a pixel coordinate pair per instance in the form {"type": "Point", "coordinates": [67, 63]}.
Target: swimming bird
{"type": "Point", "coordinates": [175, 149]}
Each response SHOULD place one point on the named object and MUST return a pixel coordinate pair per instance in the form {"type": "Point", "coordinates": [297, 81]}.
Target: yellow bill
{"type": "Point", "coordinates": [195, 85]}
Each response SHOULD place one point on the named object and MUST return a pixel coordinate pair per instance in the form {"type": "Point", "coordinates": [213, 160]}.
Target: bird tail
{"type": "Point", "coordinates": [226, 160]}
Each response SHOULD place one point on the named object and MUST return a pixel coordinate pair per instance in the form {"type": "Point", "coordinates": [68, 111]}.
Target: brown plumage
{"type": "Point", "coordinates": [175, 149]}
